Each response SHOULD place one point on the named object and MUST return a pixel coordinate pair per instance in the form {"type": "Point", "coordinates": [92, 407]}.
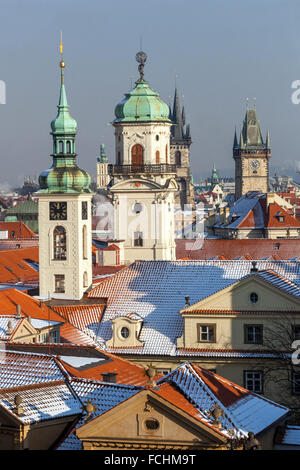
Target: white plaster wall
{"type": "Point", "coordinates": [74, 266]}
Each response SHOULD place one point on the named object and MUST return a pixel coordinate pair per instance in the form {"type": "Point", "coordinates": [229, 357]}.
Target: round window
{"type": "Point", "coordinates": [137, 208]}
{"type": "Point", "coordinates": [125, 332]}
{"type": "Point", "coordinates": [253, 297]}
{"type": "Point", "coordinates": [151, 424]}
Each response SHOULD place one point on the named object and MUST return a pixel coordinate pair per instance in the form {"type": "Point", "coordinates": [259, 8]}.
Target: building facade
{"type": "Point", "coordinates": [143, 180]}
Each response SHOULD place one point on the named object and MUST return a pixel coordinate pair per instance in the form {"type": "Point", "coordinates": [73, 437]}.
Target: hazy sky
{"type": "Point", "coordinates": [223, 51]}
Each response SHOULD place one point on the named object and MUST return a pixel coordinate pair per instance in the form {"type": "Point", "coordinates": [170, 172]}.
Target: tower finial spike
{"type": "Point", "coordinates": [62, 63]}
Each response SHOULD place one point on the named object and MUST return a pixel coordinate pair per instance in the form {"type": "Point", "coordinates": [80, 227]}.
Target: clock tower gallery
{"type": "Point", "coordinates": [251, 157]}
{"type": "Point", "coordinates": [65, 265]}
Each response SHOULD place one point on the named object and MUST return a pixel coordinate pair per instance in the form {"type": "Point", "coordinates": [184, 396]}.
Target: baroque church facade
{"type": "Point", "coordinates": [143, 179]}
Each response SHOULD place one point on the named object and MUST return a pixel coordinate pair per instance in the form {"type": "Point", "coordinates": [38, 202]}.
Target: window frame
{"type": "Point", "coordinates": [62, 280]}
{"type": "Point", "coordinates": [199, 333]}
{"type": "Point", "coordinates": [254, 325]}
{"type": "Point", "coordinates": [246, 379]}
{"type": "Point", "coordinates": [294, 391]}
{"type": "Point", "coordinates": [138, 241]}
{"type": "Point", "coordinates": [59, 244]}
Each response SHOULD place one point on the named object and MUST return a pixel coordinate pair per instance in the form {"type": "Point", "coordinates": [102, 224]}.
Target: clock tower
{"type": "Point", "coordinates": [65, 264]}
{"type": "Point", "coordinates": [251, 157]}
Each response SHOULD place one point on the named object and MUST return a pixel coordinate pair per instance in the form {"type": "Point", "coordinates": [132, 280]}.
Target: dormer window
{"type": "Point", "coordinates": [125, 331]}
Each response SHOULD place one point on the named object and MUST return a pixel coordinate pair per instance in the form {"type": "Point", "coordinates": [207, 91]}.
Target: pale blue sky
{"type": "Point", "coordinates": [222, 51]}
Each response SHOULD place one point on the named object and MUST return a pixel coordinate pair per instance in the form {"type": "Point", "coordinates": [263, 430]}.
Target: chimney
{"type": "Point", "coordinates": [254, 268]}
{"type": "Point", "coordinates": [9, 329]}
{"type": "Point", "coordinates": [18, 410]}
{"type": "Point", "coordinates": [18, 314]}
{"type": "Point", "coordinates": [187, 301]}
{"type": "Point", "coordinates": [110, 377]}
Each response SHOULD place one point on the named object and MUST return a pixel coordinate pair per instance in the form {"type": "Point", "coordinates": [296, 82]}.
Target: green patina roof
{"type": "Point", "coordinates": [65, 179]}
{"type": "Point", "coordinates": [142, 104]}
{"type": "Point", "coordinates": [63, 123]}
{"type": "Point", "coordinates": [26, 207]}
{"type": "Point", "coordinates": [64, 176]}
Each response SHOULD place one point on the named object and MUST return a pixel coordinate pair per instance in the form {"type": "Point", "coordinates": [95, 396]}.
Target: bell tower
{"type": "Point", "coordinates": [143, 184]}
{"type": "Point", "coordinates": [65, 264]}
{"type": "Point", "coordinates": [251, 155]}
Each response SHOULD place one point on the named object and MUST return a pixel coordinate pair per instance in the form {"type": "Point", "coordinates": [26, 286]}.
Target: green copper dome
{"type": "Point", "coordinates": [65, 179]}
{"type": "Point", "coordinates": [142, 104]}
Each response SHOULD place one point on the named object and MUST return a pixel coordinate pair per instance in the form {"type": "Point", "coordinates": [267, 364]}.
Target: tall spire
{"type": "Point", "coordinates": [64, 176]}
{"type": "Point", "coordinates": [177, 129]}
{"type": "Point", "coordinates": [268, 140]}
{"type": "Point", "coordinates": [63, 123]}
{"type": "Point", "coordinates": [235, 142]}
{"type": "Point", "coordinates": [252, 135]}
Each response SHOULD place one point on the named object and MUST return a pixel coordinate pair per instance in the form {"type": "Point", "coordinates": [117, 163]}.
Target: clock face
{"type": "Point", "coordinates": [254, 164]}
{"type": "Point", "coordinates": [84, 210]}
{"type": "Point", "coordinates": [58, 210]}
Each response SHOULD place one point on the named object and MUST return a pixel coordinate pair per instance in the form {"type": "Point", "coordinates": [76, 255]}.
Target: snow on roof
{"type": "Point", "coordinates": [103, 396]}
{"type": "Point", "coordinates": [37, 323]}
{"type": "Point", "coordinates": [7, 321]}
{"type": "Point", "coordinates": [156, 291]}
{"type": "Point", "coordinates": [289, 435]}
{"type": "Point", "coordinates": [43, 402]}
{"type": "Point", "coordinates": [80, 361]}
{"type": "Point", "coordinates": [17, 369]}
{"type": "Point", "coordinates": [243, 411]}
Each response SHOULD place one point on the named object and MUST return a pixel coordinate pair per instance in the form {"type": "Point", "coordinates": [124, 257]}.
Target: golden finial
{"type": "Point", "coordinates": [61, 49]}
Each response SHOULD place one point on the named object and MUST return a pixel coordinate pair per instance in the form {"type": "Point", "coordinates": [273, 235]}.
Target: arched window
{"type": "Point", "coordinates": [84, 242]}
{"type": "Point", "coordinates": [68, 146]}
{"type": "Point", "coordinates": [59, 243]}
{"type": "Point", "coordinates": [137, 155]}
{"type": "Point", "coordinates": [157, 158]}
{"type": "Point", "coordinates": [167, 153]}
{"type": "Point", "coordinates": [178, 157]}
{"type": "Point", "coordinates": [85, 279]}
{"type": "Point", "coordinates": [61, 146]}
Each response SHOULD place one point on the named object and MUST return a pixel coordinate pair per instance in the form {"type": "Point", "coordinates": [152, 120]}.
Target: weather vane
{"type": "Point", "coordinates": [141, 58]}
{"type": "Point", "coordinates": [62, 63]}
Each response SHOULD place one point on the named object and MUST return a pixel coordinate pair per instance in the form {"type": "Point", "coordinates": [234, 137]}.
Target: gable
{"type": "Point", "coordinates": [136, 184]}
{"type": "Point", "coordinates": [147, 417]}
{"type": "Point", "coordinates": [237, 297]}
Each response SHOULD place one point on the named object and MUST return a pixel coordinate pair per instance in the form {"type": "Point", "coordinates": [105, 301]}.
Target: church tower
{"type": "Point", "coordinates": [251, 157]}
{"type": "Point", "coordinates": [143, 182]}
{"type": "Point", "coordinates": [65, 264]}
{"type": "Point", "coordinates": [180, 153]}
{"type": "Point", "coordinates": [103, 177]}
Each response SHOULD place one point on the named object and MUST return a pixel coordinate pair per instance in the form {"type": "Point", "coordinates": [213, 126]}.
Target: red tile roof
{"type": "Point", "coordinates": [17, 230]}
{"type": "Point", "coordinates": [225, 390]}
{"type": "Point", "coordinates": [260, 248]}
{"type": "Point", "coordinates": [14, 267]}
{"type": "Point", "coordinates": [127, 372]}
{"type": "Point", "coordinates": [274, 212]}
{"type": "Point", "coordinates": [81, 315]}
